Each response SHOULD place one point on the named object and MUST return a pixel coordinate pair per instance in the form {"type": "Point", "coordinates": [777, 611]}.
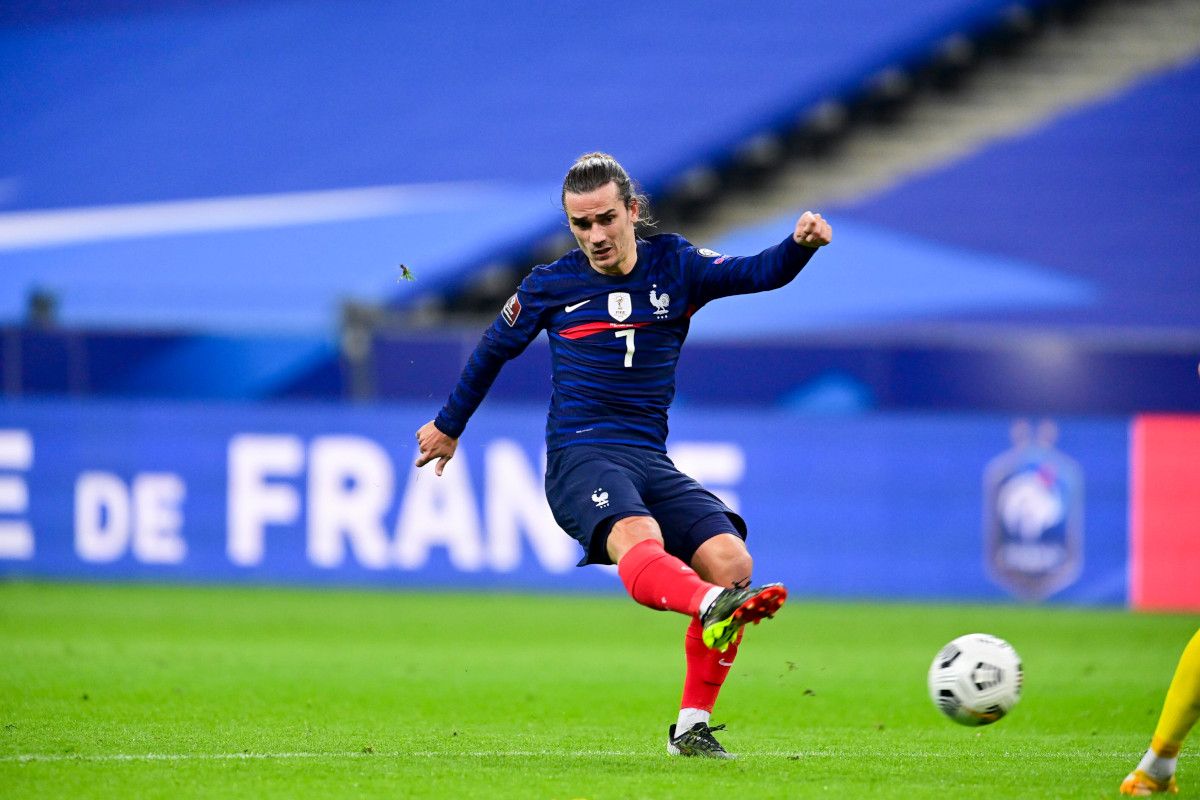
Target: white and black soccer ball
{"type": "Point", "coordinates": [975, 679]}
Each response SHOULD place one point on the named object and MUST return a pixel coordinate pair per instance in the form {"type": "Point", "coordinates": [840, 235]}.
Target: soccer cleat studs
{"type": "Point", "coordinates": [734, 608]}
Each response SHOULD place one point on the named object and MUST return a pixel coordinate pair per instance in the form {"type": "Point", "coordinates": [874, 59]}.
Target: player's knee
{"type": "Point", "coordinates": [739, 567]}
{"type": "Point", "coordinates": [627, 533]}
{"type": "Point", "coordinates": [723, 560]}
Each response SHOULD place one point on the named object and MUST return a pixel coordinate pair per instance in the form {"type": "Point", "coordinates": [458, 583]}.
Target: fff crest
{"type": "Point", "coordinates": [1033, 515]}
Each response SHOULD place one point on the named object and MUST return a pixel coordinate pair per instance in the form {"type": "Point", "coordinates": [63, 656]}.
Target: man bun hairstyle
{"type": "Point", "coordinates": [592, 170]}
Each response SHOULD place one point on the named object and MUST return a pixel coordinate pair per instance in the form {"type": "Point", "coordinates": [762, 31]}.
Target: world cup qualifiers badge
{"type": "Point", "coordinates": [620, 306]}
{"type": "Point", "coordinates": [1033, 515]}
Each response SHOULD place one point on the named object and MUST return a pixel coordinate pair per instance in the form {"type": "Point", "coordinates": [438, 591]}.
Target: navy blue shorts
{"type": "Point", "coordinates": [591, 487]}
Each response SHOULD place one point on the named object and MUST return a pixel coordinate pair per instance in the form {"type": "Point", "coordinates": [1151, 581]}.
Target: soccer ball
{"type": "Point", "coordinates": [975, 679]}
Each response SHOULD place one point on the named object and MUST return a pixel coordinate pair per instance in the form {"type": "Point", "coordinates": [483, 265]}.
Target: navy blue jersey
{"type": "Point", "coordinates": [614, 340]}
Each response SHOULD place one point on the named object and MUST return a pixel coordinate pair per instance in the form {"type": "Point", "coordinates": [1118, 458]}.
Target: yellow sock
{"type": "Point", "coordinates": [1182, 706]}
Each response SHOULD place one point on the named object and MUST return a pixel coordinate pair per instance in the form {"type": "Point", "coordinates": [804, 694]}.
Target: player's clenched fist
{"type": "Point", "coordinates": [434, 444]}
{"type": "Point", "coordinates": [812, 230]}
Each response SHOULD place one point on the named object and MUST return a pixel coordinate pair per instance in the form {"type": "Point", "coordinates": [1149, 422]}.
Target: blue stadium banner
{"type": "Point", "coordinates": [875, 506]}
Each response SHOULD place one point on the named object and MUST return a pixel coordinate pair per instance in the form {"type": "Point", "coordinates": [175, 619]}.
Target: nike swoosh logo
{"type": "Point", "coordinates": [724, 663]}
{"type": "Point", "coordinates": [569, 309]}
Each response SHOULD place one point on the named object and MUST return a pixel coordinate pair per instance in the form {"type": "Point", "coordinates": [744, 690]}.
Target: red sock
{"type": "Point", "coordinates": [659, 580]}
{"type": "Point", "coordinates": [706, 669]}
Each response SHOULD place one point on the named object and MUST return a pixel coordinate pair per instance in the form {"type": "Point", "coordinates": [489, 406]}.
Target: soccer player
{"type": "Point", "coordinates": [617, 311]}
{"type": "Point", "coordinates": [1156, 771]}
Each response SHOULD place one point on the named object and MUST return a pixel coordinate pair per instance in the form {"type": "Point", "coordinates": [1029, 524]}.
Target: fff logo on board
{"type": "Point", "coordinates": [1033, 515]}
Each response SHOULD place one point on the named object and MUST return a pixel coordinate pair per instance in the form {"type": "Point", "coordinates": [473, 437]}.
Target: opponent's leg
{"type": "Point", "coordinates": [1182, 706]}
{"type": "Point", "coordinates": [1156, 771]}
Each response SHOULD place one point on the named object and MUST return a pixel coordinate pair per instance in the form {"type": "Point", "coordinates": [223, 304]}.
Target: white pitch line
{"type": "Point", "coordinates": [26, 758]}
{"type": "Point", "coordinates": [33, 757]}
{"type": "Point", "coordinates": [21, 230]}
{"type": "Point", "coordinates": [29, 757]}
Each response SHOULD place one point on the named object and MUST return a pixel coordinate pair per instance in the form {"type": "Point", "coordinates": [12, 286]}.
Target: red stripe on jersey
{"type": "Point", "coordinates": [589, 328]}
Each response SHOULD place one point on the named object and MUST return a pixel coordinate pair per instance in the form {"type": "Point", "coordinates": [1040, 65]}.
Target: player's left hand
{"type": "Point", "coordinates": [812, 230]}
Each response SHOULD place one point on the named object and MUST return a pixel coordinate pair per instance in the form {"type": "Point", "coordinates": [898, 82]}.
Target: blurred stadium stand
{"type": "Point", "coordinates": [210, 200]}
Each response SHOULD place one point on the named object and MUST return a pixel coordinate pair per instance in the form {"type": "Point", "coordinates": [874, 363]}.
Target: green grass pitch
{"type": "Point", "coordinates": [149, 691]}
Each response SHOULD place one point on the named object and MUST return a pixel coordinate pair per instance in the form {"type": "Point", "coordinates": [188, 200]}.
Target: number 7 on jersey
{"type": "Point", "coordinates": [628, 334]}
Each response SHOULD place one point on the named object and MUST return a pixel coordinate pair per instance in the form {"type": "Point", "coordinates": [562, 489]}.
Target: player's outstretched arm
{"type": "Point", "coordinates": [812, 230]}
{"type": "Point", "coordinates": [433, 444]}
{"type": "Point", "coordinates": [715, 275]}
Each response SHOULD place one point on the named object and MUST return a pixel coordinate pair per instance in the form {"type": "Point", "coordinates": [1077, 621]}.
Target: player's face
{"type": "Point", "coordinates": [604, 228]}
